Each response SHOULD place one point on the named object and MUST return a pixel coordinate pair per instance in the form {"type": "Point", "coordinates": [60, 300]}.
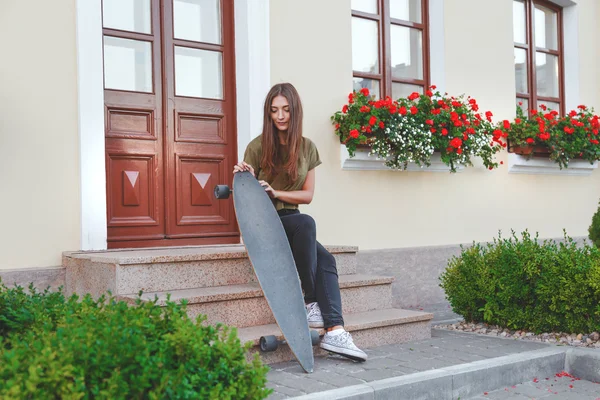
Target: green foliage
{"type": "Point", "coordinates": [53, 347]}
{"type": "Point", "coordinates": [564, 138]}
{"type": "Point", "coordinates": [594, 229]}
{"type": "Point", "coordinates": [525, 284]}
{"type": "Point", "coordinates": [411, 129]}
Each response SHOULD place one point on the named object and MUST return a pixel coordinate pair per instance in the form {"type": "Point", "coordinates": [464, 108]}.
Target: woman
{"type": "Point", "coordinates": [284, 163]}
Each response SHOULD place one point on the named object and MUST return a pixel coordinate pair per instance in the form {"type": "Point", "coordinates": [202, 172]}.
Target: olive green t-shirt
{"type": "Point", "coordinates": [308, 158]}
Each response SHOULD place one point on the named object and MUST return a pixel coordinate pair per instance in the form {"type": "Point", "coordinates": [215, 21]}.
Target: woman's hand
{"type": "Point", "coordinates": [242, 166]}
{"type": "Point", "coordinates": [270, 191]}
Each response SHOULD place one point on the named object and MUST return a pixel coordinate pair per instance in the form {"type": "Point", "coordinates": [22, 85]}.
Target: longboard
{"type": "Point", "coordinates": [271, 257]}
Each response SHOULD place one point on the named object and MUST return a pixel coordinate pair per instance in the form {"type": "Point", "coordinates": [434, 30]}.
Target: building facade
{"type": "Point", "coordinates": [118, 118]}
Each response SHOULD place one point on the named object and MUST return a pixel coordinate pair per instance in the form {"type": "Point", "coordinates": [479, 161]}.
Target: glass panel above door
{"type": "Point", "coordinates": [127, 15]}
{"type": "Point", "coordinates": [197, 20]}
{"type": "Point", "coordinates": [198, 73]}
{"type": "Point", "coordinates": [127, 64]}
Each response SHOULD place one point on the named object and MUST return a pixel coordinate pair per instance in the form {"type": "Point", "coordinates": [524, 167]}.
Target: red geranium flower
{"type": "Point", "coordinates": [456, 143]}
{"type": "Point", "coordinates": [413, 96]}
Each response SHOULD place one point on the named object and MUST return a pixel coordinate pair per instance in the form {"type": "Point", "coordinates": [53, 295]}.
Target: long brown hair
{"type": "Point", "coordinates": [271, 150]}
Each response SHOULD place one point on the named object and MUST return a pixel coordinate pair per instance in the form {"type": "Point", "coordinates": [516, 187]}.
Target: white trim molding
{"type": "Point", "coordinates": [518, 164]}
{"type": "Point", "coordinates": [362, 161]}
{"type": "Point", "coordinates": [90, 93]}
{"type": "Point", "coordinates": [253, 72]}
{"type": "Point", "coordinates": [437, 45]}
{"type": "Point", "coordinates": [570, 53]}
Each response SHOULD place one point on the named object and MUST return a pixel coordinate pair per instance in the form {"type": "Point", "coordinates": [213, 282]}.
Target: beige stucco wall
{"type": "Point", "coordinates": [311, 47]}
{"type": "Point", "coordinates": [39, 178]}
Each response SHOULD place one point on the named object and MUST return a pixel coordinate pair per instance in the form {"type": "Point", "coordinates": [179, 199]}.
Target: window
{"type": "Point", "coordinates": [390, 46]}
{"type": "Point", "coordinates": [537, 31]}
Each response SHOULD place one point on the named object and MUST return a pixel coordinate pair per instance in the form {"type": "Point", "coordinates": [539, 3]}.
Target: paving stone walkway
{"type": "Point", "coordinates": [442, 313]}
{"type": "Point", "coordinates": [444, 349]}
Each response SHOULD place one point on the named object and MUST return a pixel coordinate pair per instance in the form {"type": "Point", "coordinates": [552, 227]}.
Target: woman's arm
{"type": "Point", "coordinates": [303, 196]}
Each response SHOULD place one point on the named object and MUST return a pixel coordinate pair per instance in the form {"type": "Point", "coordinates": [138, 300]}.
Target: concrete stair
{"type": "Point", "coordinates": [244, 305]}
{"type": "Point", "coordinates": [219, 282]}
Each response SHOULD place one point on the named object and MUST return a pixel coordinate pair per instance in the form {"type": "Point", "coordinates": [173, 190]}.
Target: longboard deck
{"type": "Point", "coordinates": [273, 262]}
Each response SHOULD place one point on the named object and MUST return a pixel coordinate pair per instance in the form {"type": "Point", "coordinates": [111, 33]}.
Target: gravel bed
{"type": "Point", "coordinates": [589, 340]}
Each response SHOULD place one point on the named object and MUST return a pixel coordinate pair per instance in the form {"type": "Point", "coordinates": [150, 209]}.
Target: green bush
{"type": "Point", "coordinates": [525, 284]}
{"type": "Point", "coordinates": [594, 229]}
{"type": "Point", "coordinates": [53, 347]}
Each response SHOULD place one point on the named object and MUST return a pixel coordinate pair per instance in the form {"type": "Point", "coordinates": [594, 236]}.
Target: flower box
{"type": "Point", "coordinates": [410, 130]}
{"type": "Point", "coordinates": [558, 139]}
{"type": "Point", "coordinates": [519, 164]}
{"type": "Point", "coordinates": [363, 162]}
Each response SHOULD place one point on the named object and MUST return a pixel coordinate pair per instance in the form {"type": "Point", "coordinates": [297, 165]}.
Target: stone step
{"type": "Point", "coordinates": [369, 329]}
{"type": "Point", "coordinates": [168, 269]}
{"type": "Point", "coordinates": [244, 305]}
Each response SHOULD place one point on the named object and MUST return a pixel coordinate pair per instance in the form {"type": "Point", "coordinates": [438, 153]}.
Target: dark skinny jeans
{"type": "Point", "coordinates": [316, 266]}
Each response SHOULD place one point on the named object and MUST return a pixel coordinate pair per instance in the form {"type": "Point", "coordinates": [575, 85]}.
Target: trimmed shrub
{"type": "Point", "coordinates": [74, 348]}
{"type": "Point", "coordinates": [525, 284]}
{"type": "Point", "coordinates": [594, 229]}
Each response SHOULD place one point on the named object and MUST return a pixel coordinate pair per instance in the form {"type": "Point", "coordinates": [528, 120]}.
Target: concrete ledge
{"type": "Point", "coordinates": [42, 278]}
{"type": "Point", "coordinates": [486, 375]}
{"type": "Point", "coordinates": [357, 392]}
{"type": "Point", "coordinates": [460, 381]}
{"type": "Point", "coordinates": [584, 364]}
{"type": "Point", "coordinates": [176, 254]}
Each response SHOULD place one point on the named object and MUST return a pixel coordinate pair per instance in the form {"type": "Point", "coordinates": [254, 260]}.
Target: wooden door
{"type": "Point", "coordinates": [169, 74]}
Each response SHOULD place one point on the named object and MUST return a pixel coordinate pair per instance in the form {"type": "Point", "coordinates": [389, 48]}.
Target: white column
{"type": "Point", "coordinates": [253, 68]}
{"type": "Point", "coordinates": [91, 124]}
{"type": "Point", "coordinates": [571, 56]}
{"type": "Point", "coordinates": [437, 47]}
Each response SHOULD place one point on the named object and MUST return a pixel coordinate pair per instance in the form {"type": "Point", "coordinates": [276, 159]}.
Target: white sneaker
{"type": "Point", "coordinates": [313, 315]}
{"type": "Point", "coordinates": [342, 344]}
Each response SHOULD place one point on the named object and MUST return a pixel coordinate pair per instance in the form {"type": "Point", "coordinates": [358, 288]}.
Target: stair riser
{"type": "Point", "coordinates": [196, 274]}
{"type": "Point", "coordinates": [366, 338]}
{"type": "Point", "coordinates": [255, 311]}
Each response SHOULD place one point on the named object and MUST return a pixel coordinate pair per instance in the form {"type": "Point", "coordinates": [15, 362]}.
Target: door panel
{"type": "Point", "coordinates": [134, 202]}
{"type": "Point", "coordinates": [201, 150]}
{"type": "Point", "coordinates": [170, 121]}
{"type": "Point", "coordinates": [196, 178]}
{"type": "Point", "coordinates": [133, 120]}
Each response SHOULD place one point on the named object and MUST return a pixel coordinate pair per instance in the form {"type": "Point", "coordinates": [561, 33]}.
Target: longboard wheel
{"type": "Point", "coordinates": [268, 343]}
{"type": "Point", "coordinates": [222, 191]}
{"type": "Point", "coordinates": [314, 337]}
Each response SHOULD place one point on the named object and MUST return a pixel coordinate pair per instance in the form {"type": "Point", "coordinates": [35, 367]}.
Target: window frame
{"type": "Point", "coordinates": [384, 25]}
{"type": "Point", "coordinates": [531, 49]}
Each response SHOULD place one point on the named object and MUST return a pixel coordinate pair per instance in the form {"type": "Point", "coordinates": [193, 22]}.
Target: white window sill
{"type": "Point", "coordinates": [362, 162]}
{"type": "Point", "coordinates": [518, 164]}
